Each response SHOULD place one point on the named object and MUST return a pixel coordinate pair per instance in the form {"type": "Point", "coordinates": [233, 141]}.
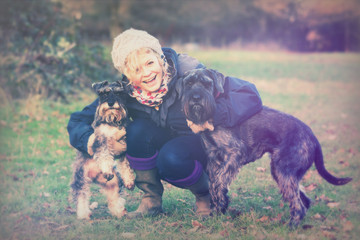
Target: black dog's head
{"type": "Point", "coordinates": [112, 99]}
{"type": "Point", "coordinates": [198, 90]}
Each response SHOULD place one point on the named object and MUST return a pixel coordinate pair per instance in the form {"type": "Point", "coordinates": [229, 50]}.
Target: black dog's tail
{"type": "Point", "coordinates": [319, 164]}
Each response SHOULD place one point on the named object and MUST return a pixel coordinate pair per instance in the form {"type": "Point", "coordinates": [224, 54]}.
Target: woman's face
{"type": "Point", "coordinates": [148, 75]}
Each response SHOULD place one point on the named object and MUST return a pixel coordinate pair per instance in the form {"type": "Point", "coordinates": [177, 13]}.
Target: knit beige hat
{"type": "Point", "coordinates": [129, 41]}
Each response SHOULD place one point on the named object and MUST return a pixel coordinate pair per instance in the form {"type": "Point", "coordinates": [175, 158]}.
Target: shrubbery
{"type": "Point", "coordinates": [41, 52]}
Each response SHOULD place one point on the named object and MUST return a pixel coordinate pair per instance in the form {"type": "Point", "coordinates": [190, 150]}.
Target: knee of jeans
{"type": "Point", "coordinates": [173, 166]}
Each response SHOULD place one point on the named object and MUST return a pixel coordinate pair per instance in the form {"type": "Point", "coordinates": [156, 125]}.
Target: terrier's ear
{"type": "Point", "coordinates": [219, 80]}
{"type": "Point", "coordinates": [119, 84]}
{"type": "Point", "coordinates": [98, 85]}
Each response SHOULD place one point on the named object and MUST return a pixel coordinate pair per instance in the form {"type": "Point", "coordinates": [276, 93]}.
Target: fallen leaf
{"type": "Point", "coordinates": [224, 233]}
{"type": "Point", "coordinates": [329, 228]}
{"type": "Point", "coordinates": [263, 219]}
{"type": "Point", "coordinates": [319, 217]}
{"type": "Point", "coordinates": [128, 235]}
{"type": "Point", "coordinates": [325, 198]}
{"type": "Point", "coordinates": [261, 169]}
{"type": "Point", "coordinates": [277, 218]}
{"type": "Point", "coordinates": [194, 229]}
{"type": "Point", "coordinates": [267, 207]}
{"type": "Point", "coordinates": [311, 187]}
{"type": "Point", "coordinates": [63, 227]}
{"type": "Point", "coordinates": [31, 139]}
{"type": "Point", "coordinates": [333, 204]}
{"type": "Point", "coordinates": [70, 210]}
{"type": "Point", "coordinates": [308, 175]}
{"type": "Point", "coordinates": [174, 224]}
{"type": "Point", "coordinates": [353, 151]}
{"type": "Point", "coordinates": [45, 194]}
{"type": "Point", "coordinates": [328, 234]}
{"type": "Point", "coordinates": [269, 198]}
{"type": "Point", "coordinates": [46, 205]}
{"type": "Point", "coordinates": [60, 152]}
{"type": "Point", "coordinates": [195, 223]}
{"type": "Point", "coordinates": [348, 226]}
{"type": "Point", "coordinates": [182, 200]}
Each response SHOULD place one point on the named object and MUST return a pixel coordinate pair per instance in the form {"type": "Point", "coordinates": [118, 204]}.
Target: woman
{"type": "Point", "coordinates": [160, 145]}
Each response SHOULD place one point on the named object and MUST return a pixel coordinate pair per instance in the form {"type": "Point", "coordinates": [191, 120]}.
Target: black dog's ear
{"type": "Point", "coordinates": [98, 85]}
{"type": "Point", "coordinates": [179, 85]}
{"type": "Point", "coordinates": [219, 80]}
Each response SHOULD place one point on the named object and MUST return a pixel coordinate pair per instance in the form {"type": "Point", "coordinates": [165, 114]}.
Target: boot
{"type": "Point", "coordinates": [151, 204]}
{"type": "Point", "coordinates": [202, 195]}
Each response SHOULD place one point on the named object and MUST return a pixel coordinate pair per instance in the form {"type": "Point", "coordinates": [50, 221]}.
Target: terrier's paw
{"type": "Point", "coordinates": [117, 208]}
{"type": "Point", "coordinates": [83, 214]}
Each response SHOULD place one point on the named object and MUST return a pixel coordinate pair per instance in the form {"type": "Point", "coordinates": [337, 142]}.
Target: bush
{"type": "Point", "coordinates": [41, 52]}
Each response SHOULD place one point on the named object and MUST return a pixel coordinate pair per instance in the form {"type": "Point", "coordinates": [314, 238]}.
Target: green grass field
{"type": "Point", "coordinates": [321, 89]}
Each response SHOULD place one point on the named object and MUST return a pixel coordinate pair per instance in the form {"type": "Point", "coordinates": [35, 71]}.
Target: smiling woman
{"type": "Point", "coordinates": [160, 144]}
{"type": "Point", "coordinates": [143, 68]}
{"type": "Point", "coordinates": [147, 73]}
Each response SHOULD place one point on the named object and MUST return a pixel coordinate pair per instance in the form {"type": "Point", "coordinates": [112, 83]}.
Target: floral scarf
{"type": "Point", "coordinates": [151, 99]}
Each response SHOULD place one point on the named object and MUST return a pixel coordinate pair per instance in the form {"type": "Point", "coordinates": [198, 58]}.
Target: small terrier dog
{"type": "Point", "coordinates": [109, 126]}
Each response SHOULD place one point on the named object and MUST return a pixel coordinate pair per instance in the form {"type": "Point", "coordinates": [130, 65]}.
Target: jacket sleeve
{"type": "Point", "coordinates": [239, 102]}
{"type": "Point", "coordinates": [79, 126]}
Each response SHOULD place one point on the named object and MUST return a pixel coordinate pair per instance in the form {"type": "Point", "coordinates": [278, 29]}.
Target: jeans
{"type": "Point", "coordinates": [180, 159]}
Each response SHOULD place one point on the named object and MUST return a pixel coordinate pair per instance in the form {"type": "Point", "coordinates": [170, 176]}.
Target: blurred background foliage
{"type": "Point", "coordinates": [53, 47]}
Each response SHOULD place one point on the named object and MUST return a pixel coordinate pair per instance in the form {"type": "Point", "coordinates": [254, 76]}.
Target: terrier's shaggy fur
{"type": "Point", "coordinates": [291, 144]}
{"type": "Point", "coordinates": [109, 124]}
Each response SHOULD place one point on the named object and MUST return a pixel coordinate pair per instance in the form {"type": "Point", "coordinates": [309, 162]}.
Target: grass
{"type": "Point", "coordinates": [320, 89]}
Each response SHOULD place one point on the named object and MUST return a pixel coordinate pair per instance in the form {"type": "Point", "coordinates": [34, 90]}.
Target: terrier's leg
{"type": "Point", "coordinates": [83, 202]}
{"type": "Point", "coordinates": [116, 204]}
{"type": "Point", "coordinates": [126, 173]}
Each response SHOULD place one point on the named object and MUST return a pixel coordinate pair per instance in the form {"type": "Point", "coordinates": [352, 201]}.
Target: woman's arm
{"type": "Point", "coordinates": [239, 102]}
{"type": "Point", "coordinates": [79, 126]}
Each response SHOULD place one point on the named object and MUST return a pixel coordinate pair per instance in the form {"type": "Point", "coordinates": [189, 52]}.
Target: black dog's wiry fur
{"type": "Point", "coordinates": [109, 125]}
{"type": "Point", "coordinates": [292, 145]}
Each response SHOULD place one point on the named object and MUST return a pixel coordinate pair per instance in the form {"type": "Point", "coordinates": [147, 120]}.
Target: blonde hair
{"type": "Point", "coordinates": [132, 63]}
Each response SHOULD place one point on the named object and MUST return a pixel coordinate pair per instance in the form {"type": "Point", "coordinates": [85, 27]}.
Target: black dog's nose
{"type": "Point", "coordinates": [196, 97]}
{"type": "Point", "coordinates": [111, 103]}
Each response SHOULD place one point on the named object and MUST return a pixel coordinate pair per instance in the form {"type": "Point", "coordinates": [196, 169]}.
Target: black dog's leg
{"type": "Point", "coordinates": [213, 169]}
{"type": "Point", "coordinates": [222, 174]}
{"type": "Point", "coordinates": [289, 188]}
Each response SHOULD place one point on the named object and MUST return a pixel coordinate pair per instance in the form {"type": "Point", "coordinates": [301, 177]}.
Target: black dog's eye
{"type": "Point", "coordinates": [207, 85]}
{"type": "Point", "coordinates": [189, 83]}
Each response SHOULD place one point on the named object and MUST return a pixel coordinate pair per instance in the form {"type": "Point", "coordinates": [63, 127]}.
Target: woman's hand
{"type": "Point", "coordinates": [117, 145]}
{"type": "Point", "coordinates": [90, 144]}
{"type": "Point", "coordinates": [199, 128]}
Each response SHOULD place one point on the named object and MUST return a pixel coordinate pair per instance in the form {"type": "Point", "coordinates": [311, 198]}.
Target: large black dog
{"type": "Point", "coordinates": [292, 145]}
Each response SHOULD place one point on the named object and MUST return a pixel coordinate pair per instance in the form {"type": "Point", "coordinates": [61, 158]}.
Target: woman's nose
{"type": "Point", "coordinates": [146, 72]}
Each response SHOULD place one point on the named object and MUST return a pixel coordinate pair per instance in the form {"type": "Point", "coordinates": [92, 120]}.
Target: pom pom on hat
{"type": "Point", "coordinates": [131, 40]}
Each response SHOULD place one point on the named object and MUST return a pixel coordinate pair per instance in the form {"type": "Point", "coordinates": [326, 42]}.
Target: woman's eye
{"type": "Point", "coordinates": [150, 63]}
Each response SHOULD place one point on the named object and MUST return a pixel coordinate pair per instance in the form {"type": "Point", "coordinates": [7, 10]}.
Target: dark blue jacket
{"type": "Point", "coordinates": [239, 101]}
